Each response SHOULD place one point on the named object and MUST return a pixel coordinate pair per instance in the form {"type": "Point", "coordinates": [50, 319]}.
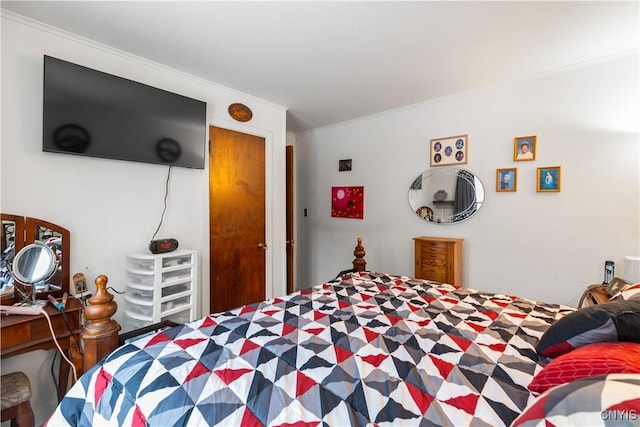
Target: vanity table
{"type": "Point", "coordinates": [22, 334]}
{"type": "Point", "coordinates": [31, 247]}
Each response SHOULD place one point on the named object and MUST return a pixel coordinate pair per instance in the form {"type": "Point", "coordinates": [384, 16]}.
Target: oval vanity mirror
{"type": "Point", "coordinates": [34, 265]}
{"type": "Point", "coordinates": [446, 195]}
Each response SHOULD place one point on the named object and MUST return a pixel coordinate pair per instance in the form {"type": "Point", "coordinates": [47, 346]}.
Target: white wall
{"type": "Point", "coordinates": [113, 207]}
{"type": "Point", "coordinates": [546, 246]}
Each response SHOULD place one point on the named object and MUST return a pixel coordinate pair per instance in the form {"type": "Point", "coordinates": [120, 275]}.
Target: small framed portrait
{"type": "Point", "coordinates": [451, 150]}
{"type": "Point", "coordinates": [344, 165]}
{"type": "Point", "coordinates": [548, 179]}
{"type": "Point", "coordinates": [524, 148]}
{"type": "Point", "coordinates": [507, 180]}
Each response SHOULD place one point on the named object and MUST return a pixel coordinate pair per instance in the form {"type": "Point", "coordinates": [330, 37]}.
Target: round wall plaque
{"type": "Point", "coordinates": [240, 112]}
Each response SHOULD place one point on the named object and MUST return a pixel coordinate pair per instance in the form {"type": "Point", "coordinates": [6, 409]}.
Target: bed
{"type": "Point", "coordinates": [363, 349]}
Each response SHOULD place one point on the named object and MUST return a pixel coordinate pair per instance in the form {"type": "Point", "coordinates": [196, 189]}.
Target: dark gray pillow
{"type": "Point", "coordinates": [612, 321]}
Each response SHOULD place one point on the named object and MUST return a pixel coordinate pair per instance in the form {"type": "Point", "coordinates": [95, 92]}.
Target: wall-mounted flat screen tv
{"type": "Point", "coordinates": [91, 113]}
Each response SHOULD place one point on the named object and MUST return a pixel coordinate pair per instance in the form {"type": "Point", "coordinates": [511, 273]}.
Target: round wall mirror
{"type": "Point", "coordinates": [446, 195]}
{"type": "Point", "coordinates": [34, 264]}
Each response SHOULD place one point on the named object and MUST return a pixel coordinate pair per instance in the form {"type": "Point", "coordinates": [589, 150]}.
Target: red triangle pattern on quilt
{"type": "Point", "coordinates": [230, 375]}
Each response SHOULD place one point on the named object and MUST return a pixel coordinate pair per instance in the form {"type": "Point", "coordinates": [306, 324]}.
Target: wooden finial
{"type": "Point", "coordinates": [100, 333]}
{"type": "Point", "coordinates": [100, 307]}
{"type": "Point", "coordinates": [359, 264]}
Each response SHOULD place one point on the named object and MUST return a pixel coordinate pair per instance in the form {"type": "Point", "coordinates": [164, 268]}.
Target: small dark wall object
{"type": "Point", "coordinates": [344, 165]}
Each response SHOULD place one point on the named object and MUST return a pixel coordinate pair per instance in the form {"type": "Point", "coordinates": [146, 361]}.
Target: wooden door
{"type": "Point", "coordinates": [290, 235]}
{"type": "Point", "coordinates": [236, 219]}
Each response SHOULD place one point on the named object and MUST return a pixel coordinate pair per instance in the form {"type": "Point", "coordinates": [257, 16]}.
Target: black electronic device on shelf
{"type": "Point", "coordinates": [161, 246]}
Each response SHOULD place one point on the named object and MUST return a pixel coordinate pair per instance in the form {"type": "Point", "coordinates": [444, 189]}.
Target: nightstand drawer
{"type": "Point", "coordinates": [433, 253]}
{"type": "Point", "coordinates": [437, 274]}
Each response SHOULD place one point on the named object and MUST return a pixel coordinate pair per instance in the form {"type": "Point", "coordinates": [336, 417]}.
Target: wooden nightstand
{"type": "Point", "coordinates": [438, 259]}
{"type": "Point", "coordinates": [595, 294]}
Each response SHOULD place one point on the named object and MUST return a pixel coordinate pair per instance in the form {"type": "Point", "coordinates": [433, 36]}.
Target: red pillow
{"type": "Point", "coordinates": [588, 361]}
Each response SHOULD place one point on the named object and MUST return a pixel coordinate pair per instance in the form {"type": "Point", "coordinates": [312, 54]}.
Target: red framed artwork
{"type": "Point", "coordinates": [347, 202]}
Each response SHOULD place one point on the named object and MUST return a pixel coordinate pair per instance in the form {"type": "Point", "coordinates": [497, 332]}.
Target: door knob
{"type": "Point", "coordinates": [262, 246]}
{"type": "Point", "coordinates": [290, 242]}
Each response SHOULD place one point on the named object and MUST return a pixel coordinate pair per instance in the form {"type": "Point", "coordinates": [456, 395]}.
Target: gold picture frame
{"type": "Point", "coordinates": [548, 179]}
{"type": "Point", "coordinates": [451, 150]}
{"type": "Point", "coordinates": [506, 180]}
{"type": "Point", "coordinates": [525, 148]}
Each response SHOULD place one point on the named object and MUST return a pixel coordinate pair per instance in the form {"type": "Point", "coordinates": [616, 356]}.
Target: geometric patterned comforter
{"type": "Point", "coordinates": [365, 349]}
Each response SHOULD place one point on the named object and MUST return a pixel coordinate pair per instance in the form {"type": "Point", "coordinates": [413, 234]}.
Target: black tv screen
{"type": "Point", "coordinates": [91, 113]}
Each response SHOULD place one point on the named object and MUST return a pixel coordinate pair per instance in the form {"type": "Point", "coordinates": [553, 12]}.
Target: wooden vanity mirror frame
{"type": "Point", "coordinates": [19, 230]}
{"type": "Point", "coordinates": [27, 227]}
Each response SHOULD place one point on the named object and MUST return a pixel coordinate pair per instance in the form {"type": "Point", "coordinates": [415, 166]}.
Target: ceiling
{"type": "Point", "coordinates": [332, 61]}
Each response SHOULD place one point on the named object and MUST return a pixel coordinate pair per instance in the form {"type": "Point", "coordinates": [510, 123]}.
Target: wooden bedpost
{"type": "Point", "coordinates": [359, 264]}
{"type": "Point", "coordinates": [100, 333]}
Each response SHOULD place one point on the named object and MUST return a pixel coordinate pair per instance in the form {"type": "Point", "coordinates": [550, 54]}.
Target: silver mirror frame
{"type": "Point", "coordinates": [422, 200]}
{"type": "Point", "coordinates": [34, 264]}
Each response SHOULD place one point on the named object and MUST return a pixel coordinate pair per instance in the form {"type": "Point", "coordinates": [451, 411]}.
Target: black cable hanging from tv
{"type": "Point", "coordinates": [166, 195]}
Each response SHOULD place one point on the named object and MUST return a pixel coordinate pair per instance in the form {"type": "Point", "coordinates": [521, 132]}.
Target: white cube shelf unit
{"type": "Point", "coordinates": [160, 287]}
